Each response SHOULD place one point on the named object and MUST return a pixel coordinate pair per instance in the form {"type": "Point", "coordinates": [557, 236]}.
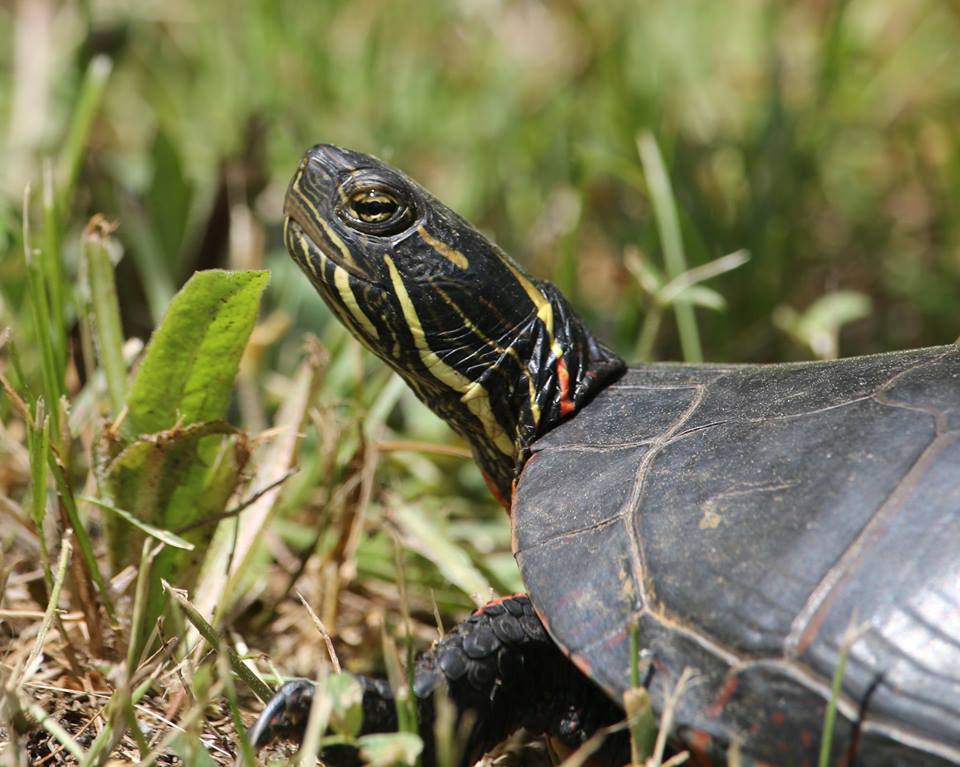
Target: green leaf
{"type": "Point", "coordinates": [99, 250]}
{"type": "Point", "coordinates": [668, 225]}
{"type": "Point", "coordinates": [165, 536]}
{"type": "Point", "coordinates": [191, 750]}
{"type": "Point", "coordinates": [209, 633]}
{"type": "Point", "coordinates": [836, 309]}
{"type": "Point", "coordinates": [194, 355]}
{"type": "Point", "coordinates": [700, 295]}
{"type": "Point", "coordinates": [182, 461]}
{"type": "Point", "coordinates": [424, 533]}
{"type": "Point", "coordinates": [148, 474]}
{"type": "Point", "coordinates": [388, 749]}
{"type": "Point", "coordinates": [648, 277]}
{"type": "Point", "coordinates": [346, 695]}
{"type": "Point", "coordinates": [169, 198]}
{"type": "Point", "coordinates": [641, 722]}
{"type": "Point", "coordinates": [818, 327]}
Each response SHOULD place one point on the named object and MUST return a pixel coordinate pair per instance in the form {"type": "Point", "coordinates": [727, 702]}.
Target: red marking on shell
{"type": "Point", "coordinates": [701, 744]}
{"type": "Point", "coordinates": [723, 697]}
{"type": "Point", "coordinates": [497, 601]}
{"type": "Point", "coordinates": [808, 738]}
{"type": "Point", "coordinates": [614, 639]}
{"type": "Point", "coordinates": [778, 717]}
{"type": "Point", "coordinates": [563, 378]}
{"type": "Point", "coordinates": [583, 664]}
{"type": "Point", "coordinates": [546, 625]}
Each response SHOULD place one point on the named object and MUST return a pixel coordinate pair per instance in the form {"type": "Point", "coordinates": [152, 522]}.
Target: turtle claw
{"type": "Point", "coordinates": [285, 714]}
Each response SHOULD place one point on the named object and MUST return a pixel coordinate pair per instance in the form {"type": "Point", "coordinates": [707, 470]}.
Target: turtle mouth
{"type": "Point", "coordinates": [341, 289]}
{"type": "Point", "coordinates": [308, 234]}
{"type": "Point", "coordinates": [312, 246]}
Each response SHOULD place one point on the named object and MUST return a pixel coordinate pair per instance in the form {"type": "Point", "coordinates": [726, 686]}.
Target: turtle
{"type": "Point", "coordinates": [756, 524]}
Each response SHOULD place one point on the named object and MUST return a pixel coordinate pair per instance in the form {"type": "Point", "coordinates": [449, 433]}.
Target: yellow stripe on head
{"type": "Point", "coordinates": [342, 280]}
{"type": "Point", "coordinates": [304, 200]}
{"type": "Point", "coordinates": [451, 254]}
{"type": "Point", "coordinates": [337, 307]}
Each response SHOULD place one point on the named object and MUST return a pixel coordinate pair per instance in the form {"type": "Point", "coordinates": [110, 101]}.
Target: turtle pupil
{"type": "Point", "coordinates": [374, 207]}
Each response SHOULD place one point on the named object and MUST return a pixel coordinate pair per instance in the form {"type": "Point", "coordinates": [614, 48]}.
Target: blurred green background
{"type": "Point", "coordinates": [822, 137]}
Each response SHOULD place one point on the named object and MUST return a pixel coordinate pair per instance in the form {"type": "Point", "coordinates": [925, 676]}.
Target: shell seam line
{"type": "Point", "coordinates": [644, 585]}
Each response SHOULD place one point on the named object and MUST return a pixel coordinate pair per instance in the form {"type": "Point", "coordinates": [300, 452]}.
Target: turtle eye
{"type": "Point", "coordinates": [375, 210]}
{"type": "Point", "coordinates": [373, 206]}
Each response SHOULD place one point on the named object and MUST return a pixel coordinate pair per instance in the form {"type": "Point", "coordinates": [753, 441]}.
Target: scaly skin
{"type": "Point", "coordinates": [500, 666]}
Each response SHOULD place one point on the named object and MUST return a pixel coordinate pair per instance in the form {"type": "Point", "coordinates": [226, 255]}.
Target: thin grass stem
{"type": "Point", "coordinates": [105, 309]}
{"type": "Point", "coordinates": [78, 133]}
{"type": "Point", "coordinates": [668, 224]}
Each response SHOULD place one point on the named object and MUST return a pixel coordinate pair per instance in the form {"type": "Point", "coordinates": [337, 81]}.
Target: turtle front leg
{"type": "Point", "coordinates": [500, 666]}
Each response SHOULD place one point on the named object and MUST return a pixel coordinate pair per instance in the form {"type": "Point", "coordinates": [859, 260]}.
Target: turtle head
{"type": "Point", "coordinates": [497, 354]}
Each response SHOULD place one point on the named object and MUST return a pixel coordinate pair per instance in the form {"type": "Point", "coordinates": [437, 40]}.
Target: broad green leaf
{"type": "Point", "coordinates": [193, 357]}
{"type": "Point", "coordinates": [210, 479]}
{"type": "Point", "coordinates": [388, 749]}
{"type": "Point", "coordinates": [183, 461]}
{"type": "Point", "coordinates": [144, 477]}
{"type": "Point", "coordinates": [346, 695]}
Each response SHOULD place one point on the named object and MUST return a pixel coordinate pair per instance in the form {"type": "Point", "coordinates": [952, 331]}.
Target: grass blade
{"type": "Point", "coordinates": [40, 314]}
{"type": "Point", "coordinates": [52, 260]}
{"type": "Point", "coordinates": [105, 309]}
{"type": "Point", "coordinates": [668, 224]}
{"type": "Point", "coordinates": [423, 533]}
{"type": "Point", "coordinates": [33, 662]}
{"type": "Point", "coordinates": [80, 533]}
{"type": "Point", "coordinates": [850, 637]}
{"type": "Point", "coordinates": [164, 536]}
{"type": "Point", "coordinates": [38, 436]}
{"type": "Point", "coordinates": [52, 726]}
{"type": "Point", "coordinates": [88, 104]}
{"type": "Point", "coordinates": [213, 639]}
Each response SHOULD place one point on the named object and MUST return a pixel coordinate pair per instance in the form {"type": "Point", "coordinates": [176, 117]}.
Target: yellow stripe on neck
{"type": "Point", "coordinates": [544, 307]}
{"type": "Point", "coordinates": [472, 393]}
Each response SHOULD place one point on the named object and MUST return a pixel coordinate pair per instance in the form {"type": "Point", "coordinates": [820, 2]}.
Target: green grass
{"type": "Point", "coordinates": [820, 139]}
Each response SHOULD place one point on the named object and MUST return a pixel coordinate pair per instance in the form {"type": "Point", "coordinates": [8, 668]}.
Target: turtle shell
{"type": "Point", "coordinates": [744, 518]}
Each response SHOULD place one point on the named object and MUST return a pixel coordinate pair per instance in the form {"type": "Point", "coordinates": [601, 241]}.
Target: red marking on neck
{"type": "Point", "coordinates": [492, 487]}
{"type": "Point", "coordinates": [700, 742]}
{"type": "Point", "coordinates": [563, 378]}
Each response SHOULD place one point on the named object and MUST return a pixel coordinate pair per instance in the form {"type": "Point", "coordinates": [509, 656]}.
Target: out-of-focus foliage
{"type": "Point", "coordinates": [820, 136]}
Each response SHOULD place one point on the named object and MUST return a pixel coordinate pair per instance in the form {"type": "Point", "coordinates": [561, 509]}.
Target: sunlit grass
{"type": "Point", "coordinates": [820, 140]}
